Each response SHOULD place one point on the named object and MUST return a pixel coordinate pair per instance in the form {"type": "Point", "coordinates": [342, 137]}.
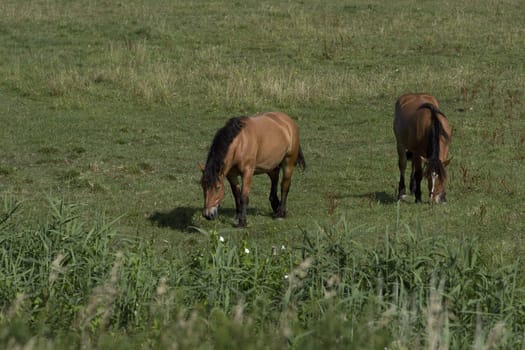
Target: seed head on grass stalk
{"type": "Point", "coordinates": [56, 268]}
{"type": "Point", "coordinates": [438, 336]}
{"type": "Point", "coordinates": [295, 278]}
{"type": "Point", "coordinates": [100, 306]}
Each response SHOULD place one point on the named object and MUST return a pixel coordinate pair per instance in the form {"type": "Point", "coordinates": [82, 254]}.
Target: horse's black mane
{"type": "Point", "coordinates": [434, 164]}
{"type": "Point", "coordinates": [218, 150]}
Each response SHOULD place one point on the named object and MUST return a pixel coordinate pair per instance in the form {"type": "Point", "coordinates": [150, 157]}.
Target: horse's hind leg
{"type": "Point", "coordinates": [274, 200]}
{"type": "Point", "coordinates": [402, 164]}
{"type": "Point", "coordinates": [417, 171]}
{"type": "Point", "coordinates": [412, 185]}
{"type": "Point", "coordinates": [412, 181]}
{"type": "Point", "coordinates": [288, 167]}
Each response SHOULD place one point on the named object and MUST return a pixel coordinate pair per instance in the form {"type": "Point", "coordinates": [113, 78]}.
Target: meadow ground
{"type": "Point", "coordinates": [112, 105]}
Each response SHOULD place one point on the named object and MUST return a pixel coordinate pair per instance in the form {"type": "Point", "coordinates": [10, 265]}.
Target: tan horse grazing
{"type": "Point", "coordinates": [423, 135]}
{"type": "Point", "coordinates": [264, 143]}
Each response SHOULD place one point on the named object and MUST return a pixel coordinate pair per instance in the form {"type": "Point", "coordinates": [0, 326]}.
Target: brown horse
{"type": "Point", "coordinates": [264, 143]}
{"type": "Point", "coordinates": [423, 135]}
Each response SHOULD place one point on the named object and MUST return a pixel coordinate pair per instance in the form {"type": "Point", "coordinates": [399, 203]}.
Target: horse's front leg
{"type": "Point", "coordinates": [246, 186]}
{"type": "Point", "coordinates": [236, 190]}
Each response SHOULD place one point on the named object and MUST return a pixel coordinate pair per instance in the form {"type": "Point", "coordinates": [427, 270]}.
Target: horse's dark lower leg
{"type": "Point", "coordinates": [412, 182]}
{"type": "Point", "coordinates": [281, 210]}
{"type": "Point", "coordinates": [236, 190]}
{"type": "Point", "coordinates": [418, 175]}
{"type": "Point", "coordinates": [401, 187]}
{"type": "Point", "coordinates": [274, 200]}
{"type": "Point", "coordinates": [246, 186]}
{"type": "Point", "coordinates": [285, 188]}
{"type": "Point", "coordinates": [402, 164]}
{"type": "Point", "coordinates": [242, 216]}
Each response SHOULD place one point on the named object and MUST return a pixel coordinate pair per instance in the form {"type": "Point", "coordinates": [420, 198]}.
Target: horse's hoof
{"type": "Point", "coordinates": [279, 215]}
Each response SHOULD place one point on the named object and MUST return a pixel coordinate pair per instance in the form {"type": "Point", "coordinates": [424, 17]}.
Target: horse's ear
{"type": "Point", "coordinates": [447, 162]}
{"type": "Point", "coordinates": [425, 160]}
{"type": "Point", "coordinates": [201, 167]}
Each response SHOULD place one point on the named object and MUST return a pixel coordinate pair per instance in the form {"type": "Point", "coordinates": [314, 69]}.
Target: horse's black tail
{"type": "Point", "coordinates": [300, 159]}
{"type": "Point", "coordinates": [433, 109]}
{"type": "Point", "coordinates": [435, 131]}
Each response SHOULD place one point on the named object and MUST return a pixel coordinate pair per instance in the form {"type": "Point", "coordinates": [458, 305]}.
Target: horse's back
{"type": "Point", "coordinates": [273, 127]}
{"type": "Point", "coordinates": [268, 138]}
{"type": "Point", "coordinates": [407, 107]}
{"type": "Point", "coordinates": [409, 103]}
{"type": "Point", "coordinates": [273, 121]}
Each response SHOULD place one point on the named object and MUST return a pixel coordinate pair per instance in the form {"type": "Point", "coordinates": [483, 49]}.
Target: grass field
{"type": "Point", "coordinates": [108, 107]}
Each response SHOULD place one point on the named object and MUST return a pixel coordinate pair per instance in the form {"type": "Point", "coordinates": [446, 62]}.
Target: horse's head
{"type": "Point", "coordinates": [437, 179]}
{"type": "Point", "coordinates": [213, 194]}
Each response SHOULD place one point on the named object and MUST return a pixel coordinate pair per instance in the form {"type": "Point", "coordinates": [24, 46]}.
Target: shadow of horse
{"type": "Point", "coordinates": [382, 197]}
{"type": "Point", "coordinates": [378, 196]}
{"type": "Point", "coordinates": [181, 218]}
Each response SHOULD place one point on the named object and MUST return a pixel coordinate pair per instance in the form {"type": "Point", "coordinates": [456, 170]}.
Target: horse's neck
{"type": "Point", "coordinates": [228, 163]}
{"type": "Point", "coordinates": [229, 160]}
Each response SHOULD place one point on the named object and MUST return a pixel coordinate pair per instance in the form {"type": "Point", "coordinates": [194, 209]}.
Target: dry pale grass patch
{"type": "Point", "coordinates": [249, 85]}
{"type": "Point", "coordinates": [28, 11]}
{"type": "Point", "coordinates": [133, 72]}
{"type": "Point", "coordinates": [137, 70]}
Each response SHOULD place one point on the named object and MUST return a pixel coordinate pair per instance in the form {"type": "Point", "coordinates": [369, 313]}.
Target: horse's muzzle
{"type": "Point", "coordinates": [210, 213]}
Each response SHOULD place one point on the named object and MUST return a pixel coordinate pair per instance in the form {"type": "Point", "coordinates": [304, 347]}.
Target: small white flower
{"type": "Point", "coordinates": [221, 238]}
{"type": "Point", "coordinates": [285, 277]}
{"type": "Point", "coordinates": [247, 251]}
{"type": "Point", "coordinates": [283, 247]}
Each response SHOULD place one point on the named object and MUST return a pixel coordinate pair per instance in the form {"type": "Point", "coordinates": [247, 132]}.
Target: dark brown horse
{"type": "Point", "coordinates": [423, 135]}
{"type": "Point", "coordinates": [245, 146]}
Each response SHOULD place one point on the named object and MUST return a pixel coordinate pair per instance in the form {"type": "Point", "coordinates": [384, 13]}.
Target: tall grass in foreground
{"type": "Point", "coordinates": [69, 284]}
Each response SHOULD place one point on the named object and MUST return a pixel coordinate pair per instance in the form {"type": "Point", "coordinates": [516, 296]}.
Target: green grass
{"type": "Point", "coordinates": [112, 105]}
